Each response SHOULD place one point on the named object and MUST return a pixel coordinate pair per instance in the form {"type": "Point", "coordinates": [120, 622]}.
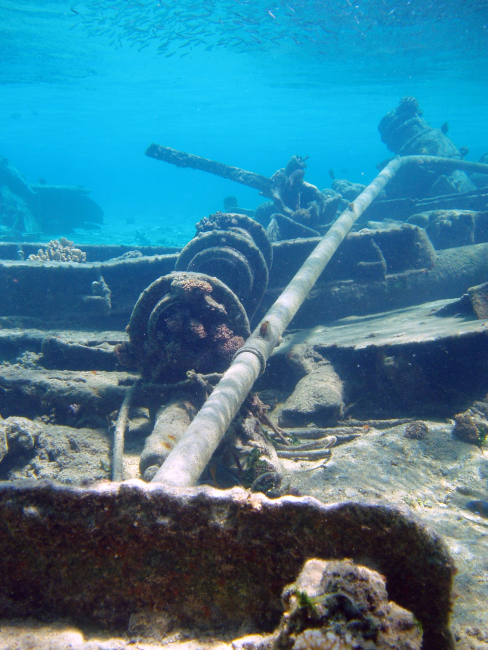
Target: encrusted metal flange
{"type": "Point", "coordinates": [234, 257]}
{"type": "Point", "coordinates": [242, 224]}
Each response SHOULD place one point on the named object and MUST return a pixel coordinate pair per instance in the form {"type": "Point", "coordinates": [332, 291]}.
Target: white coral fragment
{"type": "Point", "coordinates": [59, 251]}
{"type": "Point", "coordinates": [316, 639]}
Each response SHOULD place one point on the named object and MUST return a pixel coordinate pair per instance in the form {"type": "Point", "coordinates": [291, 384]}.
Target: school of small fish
{"type": "Point", "coordinates": [324, 27]}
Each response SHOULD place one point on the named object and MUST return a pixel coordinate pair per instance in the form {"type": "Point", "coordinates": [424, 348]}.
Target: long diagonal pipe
{"type": "Point", "coordinates": [191, 454]}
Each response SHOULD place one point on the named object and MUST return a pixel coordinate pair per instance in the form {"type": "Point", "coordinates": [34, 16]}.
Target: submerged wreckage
{"type": "Point", "coordinates": [207, 324]}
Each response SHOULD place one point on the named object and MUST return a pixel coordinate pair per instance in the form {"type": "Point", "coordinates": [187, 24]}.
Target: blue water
{"type": "Point", "coordinates": [81, 101]}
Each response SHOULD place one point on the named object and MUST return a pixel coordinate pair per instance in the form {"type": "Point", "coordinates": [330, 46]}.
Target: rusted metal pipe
{"type": "Point", "coordinates": [172, 420]}
{"type": "Point", "coordinates": [188, 459]}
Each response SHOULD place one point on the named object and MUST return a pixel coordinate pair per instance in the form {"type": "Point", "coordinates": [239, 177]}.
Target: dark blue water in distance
{"type": "Point", "coordinates": [87, 86]}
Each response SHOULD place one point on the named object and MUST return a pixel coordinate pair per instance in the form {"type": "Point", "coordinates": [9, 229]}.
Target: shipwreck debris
{"type": "Point", "coordinates": [119, 434]}
{"type": "Point", "coordinates": [236, 250]}
{"type": "Point", "coordinates": [184, 321]}
{"type": "Point", "coordinates": [479, 299]}
{"type": "Point", "coordinates": [405, 132]}
{"type": "Point", "coordinates": [242, 224]}
{"type": "Point", "coordinates": [172, 420]}
{"type": "Point", "coordinates": [298, 201]}
{"type": "Point", "coordinates": [190, 456]}
{"type": "Point", "coordinates": [144, 547]}
{"type": "Point", "coordinates": [181, 159]}
{"type": "Point", "coordinates": [26, 212]}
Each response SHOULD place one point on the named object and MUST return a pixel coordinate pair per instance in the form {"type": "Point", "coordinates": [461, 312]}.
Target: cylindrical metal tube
{"type": "Point", "coordinates": [172, 420]}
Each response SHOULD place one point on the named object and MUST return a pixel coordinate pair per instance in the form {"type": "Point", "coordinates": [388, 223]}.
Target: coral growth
{"type": "Point", "coordinates": [197, 329]}
{"type": "Point", "coordinates": [227, 343]}
{"type": "Point", "coordinates": [192, 284]}
{"type": "Point", "coordinates": [471, 426]}
{"type": "Point", "coordinates": [416, 430]}
{"type": "Point", "coordinates": [339, 605]}
{"type": "Point", "coordinates": [61, 250]}
{"type": "Point", "coordinates": [182, 322]}
{"type": "Point", "coordinates": [21, 433]}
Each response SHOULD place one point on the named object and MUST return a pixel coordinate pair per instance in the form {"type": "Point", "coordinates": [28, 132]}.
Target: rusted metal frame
{"type": "Point", "coordinates": [190, 456]}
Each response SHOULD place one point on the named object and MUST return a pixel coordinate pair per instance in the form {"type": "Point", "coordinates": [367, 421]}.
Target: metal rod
{"type": "Point", "coordinates": [119, 435]}
{"type": "Point", "coordinates": [191, 454]}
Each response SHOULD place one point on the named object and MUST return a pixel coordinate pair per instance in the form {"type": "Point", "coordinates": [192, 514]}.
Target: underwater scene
{"type": "Point", "coordinates": [244, 324]}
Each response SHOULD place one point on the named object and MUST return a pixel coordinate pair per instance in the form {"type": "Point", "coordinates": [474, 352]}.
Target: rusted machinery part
{"type": "Point", "coordinates": [171, 422]}
{"type": "Point", "coordinates": [119, 434]}
{"type": "Point", "coordinates": [218, 260]}
{"type": "Point", "coordinates": [291, 229]}
{"type": "Point", "coordinates": [181, 322]}
{"type": "Point", "coordinates": [234, 259]}
{"type": "Point", "coordinates": [240, 223]}
{"type": "Point", "coordinates": [190, 456]}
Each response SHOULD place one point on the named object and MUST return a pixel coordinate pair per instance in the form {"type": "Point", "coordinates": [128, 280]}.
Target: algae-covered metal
{"type": "Point", "coordinates": [208, 559]}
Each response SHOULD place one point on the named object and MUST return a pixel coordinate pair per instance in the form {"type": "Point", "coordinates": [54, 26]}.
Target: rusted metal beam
{"type": "Point", "coordinates": [181, 159]}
